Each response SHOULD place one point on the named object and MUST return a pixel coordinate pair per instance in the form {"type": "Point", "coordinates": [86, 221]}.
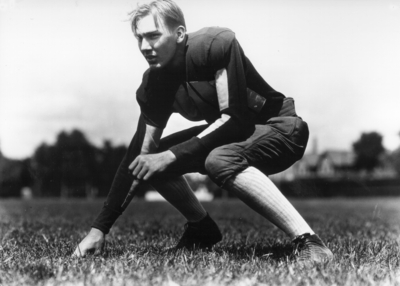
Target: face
{"type": "Point", "coordinates": [157, 44]}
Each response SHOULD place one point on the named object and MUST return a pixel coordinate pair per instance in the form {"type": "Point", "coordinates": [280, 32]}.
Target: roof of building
{"type": "Point", "coordinates": [339, 158]}
{"type": "Point", "coordinates": [310, 160]}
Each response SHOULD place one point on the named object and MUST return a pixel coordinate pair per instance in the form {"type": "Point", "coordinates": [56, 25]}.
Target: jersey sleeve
{"type": "Point", "coordinates": [155, 112]}
{"type": "Point", "coordinates": [236, 122]}
{"type": "Point", "coordinates": [114, 205]}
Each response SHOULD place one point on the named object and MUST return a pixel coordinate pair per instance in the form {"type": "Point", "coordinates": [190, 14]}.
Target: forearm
{"type": "Point", "coordinates": [113, 206]}
{"type": "Point", "coordinates": [216, 135]}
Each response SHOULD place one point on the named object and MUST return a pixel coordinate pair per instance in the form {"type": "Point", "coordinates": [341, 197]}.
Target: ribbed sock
{"type": "Point", "coordinates": [179, 194]}
{"type": "Point", "coordinates": [259, 193]}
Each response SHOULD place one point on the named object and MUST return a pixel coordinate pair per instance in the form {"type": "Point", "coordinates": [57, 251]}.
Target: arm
{"type": "Point", "coordinates": [156, 108]}
{"type": "Point", "coordinates": [148, 163]}
{"type": "Point", "coordinates": [155, 102]}
{"type": "Point", "coordinates": [114, 205]}
{"type": "Point", "coordinates": [146, 140]}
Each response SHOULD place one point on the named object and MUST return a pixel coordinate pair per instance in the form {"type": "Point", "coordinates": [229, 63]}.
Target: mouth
{"type": "Point", "coordinates": [151, 59]}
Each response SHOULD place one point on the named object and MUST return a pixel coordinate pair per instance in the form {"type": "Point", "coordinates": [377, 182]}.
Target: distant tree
{"type": "Point", "coordinates": [76, 163]}
{"type": "Point", "coordinates": [10, 177]}
{"type": "Point", "coordinates": [74, 167]}
{"type": "Point", "coordinates": [368, 150]}
{"type": "Point", "coordinates": [395, 159]}
{"type": "Point", "coordinates": [26, 173]}
{"type": "Point", "coordinates": [108, 160]}
{"type": "Point", "coordinates": [68, 168]}
{"type": "Point", "coordinates": [45, 171]}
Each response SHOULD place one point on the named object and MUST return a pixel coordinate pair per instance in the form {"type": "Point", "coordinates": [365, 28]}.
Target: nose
{"type": "Point", "coordinates": [144, 45]}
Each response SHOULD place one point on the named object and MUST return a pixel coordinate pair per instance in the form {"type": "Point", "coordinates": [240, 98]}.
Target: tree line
{"type": "Point", "coordinates": [74, 167]}
{"type": "Point", "coordinates": [71, 167]}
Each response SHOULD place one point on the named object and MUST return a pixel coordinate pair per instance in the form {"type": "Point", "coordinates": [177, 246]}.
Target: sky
{"type": "Point", "coordinates": [75, 64]}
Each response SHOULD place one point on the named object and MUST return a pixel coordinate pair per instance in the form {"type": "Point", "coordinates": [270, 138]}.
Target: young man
{"type": "Point", "coordinates": [252, 131]}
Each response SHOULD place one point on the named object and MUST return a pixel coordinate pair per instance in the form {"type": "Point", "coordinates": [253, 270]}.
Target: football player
{"type": "Point", "coordinates": [252, 131]}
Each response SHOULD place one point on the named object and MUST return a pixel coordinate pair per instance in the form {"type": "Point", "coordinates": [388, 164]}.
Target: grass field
{"type": "Point", "coordinates": [37, 238]}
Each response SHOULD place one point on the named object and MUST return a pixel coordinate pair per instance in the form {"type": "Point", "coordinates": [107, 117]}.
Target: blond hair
{"type": "Point", "coordinates": [167, 10]}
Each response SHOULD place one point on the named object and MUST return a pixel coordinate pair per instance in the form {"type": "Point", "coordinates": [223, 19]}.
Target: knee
{"type": "Point", "coordinates": [214, 165]}
{"type": "Point", "coordinates": [221, 164]}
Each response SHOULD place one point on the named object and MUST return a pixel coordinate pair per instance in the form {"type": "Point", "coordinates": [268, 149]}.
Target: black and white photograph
{"type": "Point", "coordinates": [188, 142]}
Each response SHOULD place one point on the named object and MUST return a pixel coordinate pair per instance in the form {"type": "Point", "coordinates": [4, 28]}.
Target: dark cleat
{"type": "Point", "coordinates": [200, 235]}
{"type": "Point", "coordinates": [310, 248]}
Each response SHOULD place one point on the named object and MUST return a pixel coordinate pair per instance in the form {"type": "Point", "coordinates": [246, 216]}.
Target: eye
{"type": "Point", "coordinates": [154, 36]}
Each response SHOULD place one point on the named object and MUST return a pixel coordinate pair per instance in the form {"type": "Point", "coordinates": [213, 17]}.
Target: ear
{"type": "Point", "coordinates": [180, 33]}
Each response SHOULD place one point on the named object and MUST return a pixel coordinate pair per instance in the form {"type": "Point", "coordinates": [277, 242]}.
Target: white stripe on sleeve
{"type": "Point", "coordinates": [151, 140]}
{"type": "Point", "coordinates": [217, 123]}
{"type": "Point", "coordinates": [221, 81]}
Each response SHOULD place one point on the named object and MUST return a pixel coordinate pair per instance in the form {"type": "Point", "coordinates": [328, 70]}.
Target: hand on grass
{"type": "Point", "coordinates": [92, 243]}
{"type": "Point", "coordinates": [145, 166]}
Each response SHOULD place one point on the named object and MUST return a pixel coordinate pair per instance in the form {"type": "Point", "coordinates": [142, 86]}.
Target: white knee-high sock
{"type": "Point", "coordinates": [179, 194]}
{"type": "Point", "coordinates": [259, 192]}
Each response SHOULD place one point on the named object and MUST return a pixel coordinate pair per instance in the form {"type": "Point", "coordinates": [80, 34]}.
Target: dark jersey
{"type": "Point", "coordinates": [219, 85]}
{"type": "Point", "coordinates": [214, 87]}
